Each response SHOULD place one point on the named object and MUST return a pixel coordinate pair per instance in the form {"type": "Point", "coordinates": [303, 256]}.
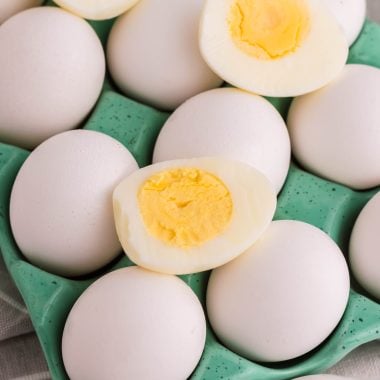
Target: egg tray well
{"type": "Point", "coordinates": [327, 205]}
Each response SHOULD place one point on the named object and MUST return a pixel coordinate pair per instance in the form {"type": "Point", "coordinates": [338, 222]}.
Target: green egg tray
{"type": "Point", "coordinates": [327, 205]}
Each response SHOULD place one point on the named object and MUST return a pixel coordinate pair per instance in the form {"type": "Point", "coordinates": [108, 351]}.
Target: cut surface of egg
{"type": "Point", "coordinates": [134, 324]}
{"type": "Point", "coordinates": [283, 296]}
{"type": "Point", "coordinates": [232, 123]}
{"type": "Point", "coordinates": [153, 53]}
{"type": "Point", "coordinates": [272, 47]}
{"type": "Point", "coordinates": [186, 216]}
{"type": "Point", "coordinates": [97, 9]}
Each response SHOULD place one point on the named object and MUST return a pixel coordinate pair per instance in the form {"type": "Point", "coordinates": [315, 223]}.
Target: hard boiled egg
{"type": "Point", "coordinates": [363, 249]}
{"type": "Point", "coordinates": [61, 202]}
{"type": "Point", "coordinates": [232, 123]}
{"type": "Point", "coordinates": [97, 9]}
{"type": "Point", "coordinates": [153, 53]}
{"type": "Point", "coordinates": [134, 324]}
{"type": "Point", "coordinates": [272, 47]}
{"type": "Point", "coordinates": [283, 296]}
{"type": "Point", "coordinates": [186, 216]}
{"type": "Point", "coordinates": [335, 131]}
{"type": "Point", "coordinates": [52, 71]}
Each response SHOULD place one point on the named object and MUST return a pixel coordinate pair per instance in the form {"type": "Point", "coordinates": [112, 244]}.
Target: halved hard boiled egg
{"type": "Point", "coordinates": [273, 47]}
{"type": "Point", "coordinates": [191, 215]}
{"type": "Point", "coordinates": [96, 9]}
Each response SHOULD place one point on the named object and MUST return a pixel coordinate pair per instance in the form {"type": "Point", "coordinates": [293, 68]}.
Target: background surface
{"type": "Point", "coordinates": [21, 357]}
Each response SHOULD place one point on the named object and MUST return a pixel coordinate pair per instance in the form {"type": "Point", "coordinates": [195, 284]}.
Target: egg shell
{"type": "Point", "coordinates": [52, 71]}
{"type": "Point", "coordinates": [253, 206]}
{"type": "Point", "coordinates": [230, 123]}
{"type": "Point", "coordinates": [343, 114]}
{"type": "Point", "coordinates": [61, 202]}
{"type": "Point", "coordinates": [134, 324]}
{"type": "Point", "coordinates": [8, 8]}
{"type": "Point", "coordinates": [260, 304]}
{"type": "Point", "coordinates": [153, 53]}
{"type": "Point", "coordinates": [363, 250]}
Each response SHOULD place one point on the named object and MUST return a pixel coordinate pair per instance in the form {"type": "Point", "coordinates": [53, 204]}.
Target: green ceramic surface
{"type": "Point", "coordinates": [327, 205]}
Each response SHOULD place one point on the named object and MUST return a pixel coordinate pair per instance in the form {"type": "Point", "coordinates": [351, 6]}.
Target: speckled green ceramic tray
{"type": "Point", "coordinates": [329, 206]}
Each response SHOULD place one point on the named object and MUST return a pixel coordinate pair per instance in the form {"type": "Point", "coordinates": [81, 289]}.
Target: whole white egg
{"type": "Point", "coordinates": [363, 250]}
{"type": "Point", "coordinates": [134, 324]}
{"type": "Point", "coordinates": [153, 53]}
{"type": "Point", "coordinates": [335, 131]}
{"type": "Point", "coordinates": [52, 71]}
{"type": "Point", "coordinates": [9, 8]}
{"type": "Point", "coordinates": [61, 202]}
{"type": "Point", "coordinates": [283, 296]}
{"type": "Point", "coordinates": [232, 123]}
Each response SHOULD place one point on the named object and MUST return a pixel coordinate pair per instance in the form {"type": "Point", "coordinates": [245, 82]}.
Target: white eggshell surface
{"type": "Point", "coordinates": [153, 53]}
{"type": "Point", "coordinates": [134, 324]}
{"type": "Point", "coordinates": [52, 71]}
{"type": "Point", "coordinates": [61, 202]}
{"type": "Point", "coordinates": [281, 298]}
{"type": "Point", "coordinates": [232, 123]}
{"type": "Point", "coordinates": [9, 8]}
{"type": "Point", "coordinates": [364, 247]}
{"type": "Point", "coordinates": [335, 131]}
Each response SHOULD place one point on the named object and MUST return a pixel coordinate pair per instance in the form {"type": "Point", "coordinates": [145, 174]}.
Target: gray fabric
{"type": "Point", "coordinates": [21, 357]}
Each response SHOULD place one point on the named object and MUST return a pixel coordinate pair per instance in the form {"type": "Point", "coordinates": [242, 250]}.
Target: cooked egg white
{"type": "Point", "coordinates": [272, 47]}
{"type": "Point", "coordinates": [186, 216]}
{"type": "Point", "coordinates": [97, 9]}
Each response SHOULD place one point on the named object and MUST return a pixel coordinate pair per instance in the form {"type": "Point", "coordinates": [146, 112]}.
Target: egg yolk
{"type": "Point", "coordinates": [268, 29]}
{"type": "Point", "coordinates": [185, 207]}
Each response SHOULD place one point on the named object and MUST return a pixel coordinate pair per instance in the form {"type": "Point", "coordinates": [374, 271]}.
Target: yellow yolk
{"type": "Point", "coordinates": [185, 207]}
{"type": "Point", "coordinates": [268, 29]}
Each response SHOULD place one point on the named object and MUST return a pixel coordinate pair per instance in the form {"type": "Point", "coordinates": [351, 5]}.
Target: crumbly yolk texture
{"type": "Point", "coordinates": [268, 29]}
{"type": "Point", "coordinates": [185, 207]}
